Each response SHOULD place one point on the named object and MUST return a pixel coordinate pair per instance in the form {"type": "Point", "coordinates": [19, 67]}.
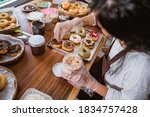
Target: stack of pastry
{"type": "Point", "coordinates": [75, 8]}
{"type": "Point", "coordinates": [7, 21]}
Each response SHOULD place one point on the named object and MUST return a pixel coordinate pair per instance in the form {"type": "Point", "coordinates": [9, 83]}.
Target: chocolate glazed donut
{"type": "Point", "coordinates": [4, 46]}
{"type": "Point", "coordinates": [14, 50]}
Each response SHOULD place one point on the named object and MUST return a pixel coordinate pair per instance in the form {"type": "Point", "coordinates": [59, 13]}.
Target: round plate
{"type": "Point", "coordinates": [10, 90]}
{"type": "Point", "coordinates": [44, 4]}
{"type": "Point", "coordinates": [35, 16]}
{"type": "Point", "coordinates": [57, 69]}
{"type": "Point", "coordinates": [8, 59]}
{"type": "Point", "coordinates": [28, 8]}
{"type": "Point", "coordinates": [67, 13]}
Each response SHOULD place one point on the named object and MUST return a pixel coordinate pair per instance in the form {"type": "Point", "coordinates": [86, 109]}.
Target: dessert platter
{"type": "Point", "coordinates": [8, 21]}
{"type": "Point", "coordinates": [81, 41]}
{"type": "Point", "coordinates": [8, 84]}
{"type": "Point", "coordinates": [11, 49]}
{"type": "Point", "coordinates": [74, 9]}
{"type": "Point", "coordinates": [34, 94]}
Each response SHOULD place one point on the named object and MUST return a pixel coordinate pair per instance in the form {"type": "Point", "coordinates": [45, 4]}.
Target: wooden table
{"type": "Point", "coordinates": [36, 71]}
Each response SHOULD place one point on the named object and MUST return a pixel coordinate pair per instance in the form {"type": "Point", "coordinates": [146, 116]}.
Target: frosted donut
{"type": "Point", "coordinates": [75, 38]}
{"type": "Point", "coordinates": [68, 46]}
{"type": "Point", "coordinates": [93, 35]}
{"type": "Point", "coordinates": [3, 81]}
{"type": "Point", "coordinates": [4, 46]}
{"type": "Point", "coordinates": [74, 11]}
{"type": "Point", "coordinates": [81, 32]}
{"type": "Point", "coordinates": [88, 43]}
{"type": "Point", "coordinates": [55, 44]}
{"type": "Point", "coordinates": [67, 36]}
{"type": "Point", "coordinates": [4, 16]}
{"type": "Point", "coordinates": [11, 25]}
{"type": "Point", "coordinates": [66, 5]}
{"type": "Point", "coordinates": [83, 10]}
{"type": "Point", "coordinates": [11, 19]}
{"type": "Point", "coordinates": [14, 50]}
{"type": "Point", "coordinates": [3, 22]}
{"type": "Point", "coordinates": [84, 52]}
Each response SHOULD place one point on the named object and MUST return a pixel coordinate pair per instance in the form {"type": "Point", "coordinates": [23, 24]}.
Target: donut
{"type": "Point", "coordinates": [11, 19]}
{"type": "Point", "coordinates": [66, 5]}
{"type": "Point", "coordinates": [83, 10]}
{"type": "Point", "coordinates": [14, 50]}
{"type": "Point", "coordinates": [88, 43]}
{"type": "Point", "coordinates": [67, 36]}
{"type": "Point", "coordinates": [55, 44]}
{"type": "Point", "coordinates": [3, 22]}
{"type": "Point", "coordinates": [3, 81]}
{"type": "Point", "coordinates": [84, 52]}
{"type": "Point", "coordinates": [75, 38]}
{"type": "Point", "coordinates": [93, 35]}
{"type": "Point", "coordinates": [4, 46]}
{"type": "Point", "coordinates": [74, 11]}
{"type": "Point", "coordinates": [67, 46]}
{"type": "Point", "coordinates": [11, 25]}
{"type": "Point", "coordinates": [1, 28]}
{"type": "Point", "coordinates": [1, 57]}
{"type": "Point", "coordinates": [4, 16]}
{"type": "Point", "coordinates": [81, 32]}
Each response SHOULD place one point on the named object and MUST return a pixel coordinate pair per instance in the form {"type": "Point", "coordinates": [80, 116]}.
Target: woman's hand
{"type": "Point", "coordinates": [81, 78]}
{"type": "Point", "coordinates": [61, 29]}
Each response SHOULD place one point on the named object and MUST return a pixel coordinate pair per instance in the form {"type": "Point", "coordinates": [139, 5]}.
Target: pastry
{"type": "Point", "coordinates": [55, 44]}
{"type": "Point", "coordinates": [84, 52]}
{"type": "Point", "coordinates": [68, 46]}
{"type": "Point", "coordinates": [66, 5]}
{"type": "Point", "coordinates": [4, 46]}
{"type": "Point", "coordinates": [83, 10]}
{"type": "Point", "coordinates": [75, 38]}
{"type": "Point", "coordinates": [88, 43]}
{"type": "Point", "coordinates": [4, 16]}
{"type": "Point", "coordinates": [3, 22]}
{"type": "Point", "coordinates": [3, 81]}
{"type": "Point", "coordinates": [11, 19]}
{"type": "Point", "coordinates": [93, 35]}
{"type": "Point", "coordinates": [14, 50]}
{"type": "Point", "coordinates": [74, 11]}
{"type": "Point", "coordinates": [81, 32]}
{"type": "Point", "coordinates": [11, 25]}
{"type": "Point", "coordinates": [67, 36]}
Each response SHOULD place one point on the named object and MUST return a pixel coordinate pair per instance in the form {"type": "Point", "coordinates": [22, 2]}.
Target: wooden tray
{"type": "Point", "coordinates": [10, 90]}
{"type": "Point", "coordinates": [8, 59]}
{"type": "Point", "coordinates": [77, 46]}
{"type": "Point", "coordinates": [66, 13]}
{"type": "Point", "coordinates": [11, 12]}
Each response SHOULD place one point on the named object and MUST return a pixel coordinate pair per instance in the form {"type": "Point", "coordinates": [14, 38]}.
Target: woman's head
{"type": "Point", "coordinates": [128, 20]}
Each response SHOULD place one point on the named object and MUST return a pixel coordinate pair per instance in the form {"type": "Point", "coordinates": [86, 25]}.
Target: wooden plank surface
{"type": "Point", "coordinates": [36, 71]}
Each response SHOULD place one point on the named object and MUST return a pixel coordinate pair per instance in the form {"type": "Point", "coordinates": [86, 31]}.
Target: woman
{"type": "Point", "coordinates": [127, 65]}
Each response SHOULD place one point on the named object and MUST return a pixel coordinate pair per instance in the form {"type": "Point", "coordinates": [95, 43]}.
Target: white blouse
{"type": "Point", "coordinates": [129, 77]}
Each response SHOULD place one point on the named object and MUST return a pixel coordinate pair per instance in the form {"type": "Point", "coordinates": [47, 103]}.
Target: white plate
{"type": "Point", "coordinates": [57, 69]}
{"type": "Point", "coordinates": [35, 16]}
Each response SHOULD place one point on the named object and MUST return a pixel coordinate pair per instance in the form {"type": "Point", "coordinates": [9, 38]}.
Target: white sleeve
{"type": "Point", "coordinates": [136, 84]}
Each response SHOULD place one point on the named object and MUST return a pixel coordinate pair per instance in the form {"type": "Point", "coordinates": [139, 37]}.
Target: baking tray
{"type": "Point", "coordinates": [11, 12]}
{"type": "Point", "coordinates": [76, 47]}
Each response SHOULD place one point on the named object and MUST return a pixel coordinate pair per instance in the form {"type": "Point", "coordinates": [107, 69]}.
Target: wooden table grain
{"type": "Point", "coordinates": [36, 71]}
